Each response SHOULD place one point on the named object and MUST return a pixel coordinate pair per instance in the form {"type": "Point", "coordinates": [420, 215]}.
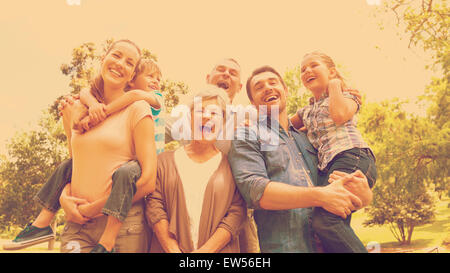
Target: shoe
{"type": "Point", "coordinates": [30, 236]}
{"type": "Point", "coordinates": [100, 249]}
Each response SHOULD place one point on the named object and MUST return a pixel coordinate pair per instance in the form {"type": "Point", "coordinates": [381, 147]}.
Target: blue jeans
{"type": "Point", "coordinates": [120, 199]}
{"type": "Point", "coordinates": [335, 233]}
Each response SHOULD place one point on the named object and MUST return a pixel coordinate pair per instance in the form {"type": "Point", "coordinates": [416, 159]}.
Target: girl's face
{"type": "Point", "coordinates": [315, 74]}
{"type": "Point", "coordinates": [119, 64]}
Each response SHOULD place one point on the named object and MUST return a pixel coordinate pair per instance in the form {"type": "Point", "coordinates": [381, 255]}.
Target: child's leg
{"type": "Point", "coordinates": [48, 197]}
{"type": "Point", "coordinates": [334, 232]}
{"type": "Point", "coordinates": [120, 200]}
{"type": "Point", "coordinates": [49, 194]}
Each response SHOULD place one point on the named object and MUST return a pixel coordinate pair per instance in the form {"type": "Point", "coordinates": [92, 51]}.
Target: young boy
{"type": "Point", "coordinates": [148, 77]}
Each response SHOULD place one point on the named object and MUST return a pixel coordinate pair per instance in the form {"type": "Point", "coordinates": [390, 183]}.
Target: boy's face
{"type": "Point", "coordinates": [147, 80]}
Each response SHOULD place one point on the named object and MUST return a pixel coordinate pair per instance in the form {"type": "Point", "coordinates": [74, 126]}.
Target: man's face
{"type": "Point", "coordinates": [226, 75]}
{"type": "Point", "coordinates": [267, 89]}
{"type": "Point", "coordinates": [147, 80]}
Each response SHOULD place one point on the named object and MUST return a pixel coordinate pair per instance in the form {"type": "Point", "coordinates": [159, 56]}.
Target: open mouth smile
{"type": "Point", "coordinates": [271, 98]}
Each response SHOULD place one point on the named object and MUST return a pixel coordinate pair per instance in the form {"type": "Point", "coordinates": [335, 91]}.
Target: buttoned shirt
{"type": "Point", "coordinates": [255, 161]}
{"type": "Point", "coordinates": [327, 137]}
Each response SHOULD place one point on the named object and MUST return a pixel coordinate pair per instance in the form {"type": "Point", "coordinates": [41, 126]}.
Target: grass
{"type": "Point", "coordinates": [423, 239]}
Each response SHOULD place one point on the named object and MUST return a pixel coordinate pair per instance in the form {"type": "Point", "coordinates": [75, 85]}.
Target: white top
{"type": "Point", "coordinates": [195, 177]}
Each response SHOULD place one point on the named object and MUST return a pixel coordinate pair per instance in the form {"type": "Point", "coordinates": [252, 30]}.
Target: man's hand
{"type": "Point", "coordinates": [70, 207]}
{"type": "Point", "coordinates": [338, 200]}
{"type": "Point", "coordinates": [357, 184]}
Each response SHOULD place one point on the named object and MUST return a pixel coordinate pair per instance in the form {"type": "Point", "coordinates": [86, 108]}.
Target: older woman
{"type": "Point", "coordinates": [196, 206]}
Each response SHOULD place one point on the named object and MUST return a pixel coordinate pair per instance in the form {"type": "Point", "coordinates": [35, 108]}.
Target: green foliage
{"type": "Point", "coordinates": [297, 95]}
{"type": "Point", "coordinates": [411, 153]}
{"type": "Point", "coordinates": [426, 22]}
{"type": "Point", "coordinates": [31, 158]}
{"type": "Point", "coordinates": [171, 91]}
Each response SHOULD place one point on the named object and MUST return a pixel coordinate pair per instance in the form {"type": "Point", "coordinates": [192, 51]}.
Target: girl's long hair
{"type": "Point", "coordinates": [97, 85]}
{"type": "Point", "coordinates": [328, 62]}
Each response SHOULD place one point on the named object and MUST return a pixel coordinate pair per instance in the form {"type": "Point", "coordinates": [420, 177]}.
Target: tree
{"type": "Point", "coordinates": [426, 24]}
{"type": "Point", "coordinates": [31, 158]}
{"type": "Point", "coordinates": [407, 153]}
{"type": "Point", "coordinates": [297, 95]}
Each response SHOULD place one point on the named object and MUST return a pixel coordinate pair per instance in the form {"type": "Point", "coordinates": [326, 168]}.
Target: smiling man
{"type": "Point", "coordinates": [279, 182]}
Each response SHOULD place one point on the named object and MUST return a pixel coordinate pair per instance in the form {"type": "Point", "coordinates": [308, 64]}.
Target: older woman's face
{"type": "Point", "coordinates": [207, 119]}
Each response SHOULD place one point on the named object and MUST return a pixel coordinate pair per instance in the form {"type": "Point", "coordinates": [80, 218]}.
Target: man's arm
{"type": "Point", "coordinates": [357, 184]}
{"type": "Point", "coordinates": [250, 174]}
{"type": "Point", "coordinates": [337, 200]}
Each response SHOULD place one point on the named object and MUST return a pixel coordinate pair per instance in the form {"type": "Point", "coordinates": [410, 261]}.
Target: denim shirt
{"type": "Point", "coordinates": [293, 161]}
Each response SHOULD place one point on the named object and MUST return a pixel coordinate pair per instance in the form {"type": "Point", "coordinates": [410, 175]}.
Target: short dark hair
{"type": "Point", "coordinates": [260, 70]}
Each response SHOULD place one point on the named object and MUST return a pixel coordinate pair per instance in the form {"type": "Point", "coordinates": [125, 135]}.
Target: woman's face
{"type": "Point", "coordinates": [119, 64]}
{"type": "Point", "coordinates": [206, 120]}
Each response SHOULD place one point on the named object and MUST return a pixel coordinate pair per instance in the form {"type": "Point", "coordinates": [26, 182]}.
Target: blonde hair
{"type": "Point", "coordinates": [328, 62]}
{"type": "Point", "coordinates": [97, 83]}
{"type": "Point", "coordinates": [144, 65]}
{"type": "Point", "coordinates": [211, 92]}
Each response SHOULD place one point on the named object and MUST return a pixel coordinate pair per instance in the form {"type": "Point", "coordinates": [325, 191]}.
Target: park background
{"type": "Point", "coordinates": [395, 52]}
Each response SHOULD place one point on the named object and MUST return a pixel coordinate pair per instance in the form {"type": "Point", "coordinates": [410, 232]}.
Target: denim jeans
{"type": "Point", "coordinates": [49, 194]}
{"type": "Point", "coordinates": [335, 233]}
{"type": "Point", "coordinates": [120, 199]}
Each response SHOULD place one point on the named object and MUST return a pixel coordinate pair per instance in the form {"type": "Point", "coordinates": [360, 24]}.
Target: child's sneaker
{"type": "Point", "coordinates": [100, 249]}
{"type": "Point", "coordinates": [30, 236]}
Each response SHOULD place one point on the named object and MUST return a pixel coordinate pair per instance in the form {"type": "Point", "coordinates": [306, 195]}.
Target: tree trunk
{"type": "Point", "coordinates": [410, 232]}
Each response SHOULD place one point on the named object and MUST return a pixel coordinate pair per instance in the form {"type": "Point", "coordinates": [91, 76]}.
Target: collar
{"type": "Point", "coordinates": [313, 100]}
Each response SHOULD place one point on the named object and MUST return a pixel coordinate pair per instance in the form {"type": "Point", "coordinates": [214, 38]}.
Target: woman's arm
{"type": "Point", "coordinates": [67, 124]}
{"type": "Point", "coordinates": [165, 238]}
{"type": "Point", "coordinates": [70, 206]}
{"type": "Point", "coordinates": [216, 242]}
{"type": "Point", "coordinates": [145, 147]}
{"type": "Point", "coordinates": [229, 227]}
{"type": "Point", "coordinates": [341, 109]}
{"type": "Point", "coordinates": [130, 97]}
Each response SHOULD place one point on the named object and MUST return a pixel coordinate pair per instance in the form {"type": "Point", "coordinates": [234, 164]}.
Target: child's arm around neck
{"type": "Point", "coordinates": [132, 96]}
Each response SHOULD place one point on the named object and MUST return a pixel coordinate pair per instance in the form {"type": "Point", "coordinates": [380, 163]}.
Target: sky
{"type": "Point", "coordinates": [189, 37]}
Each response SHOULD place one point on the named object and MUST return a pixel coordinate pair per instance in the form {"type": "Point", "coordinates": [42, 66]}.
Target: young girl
{"type": "Point", "coordinates": [147, 77]}
{"type": "Point", "coordinates": [331, 128]}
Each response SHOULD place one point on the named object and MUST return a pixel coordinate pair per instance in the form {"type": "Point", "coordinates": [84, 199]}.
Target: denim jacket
{"type": "Point", "coordinates": [255, 162]}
